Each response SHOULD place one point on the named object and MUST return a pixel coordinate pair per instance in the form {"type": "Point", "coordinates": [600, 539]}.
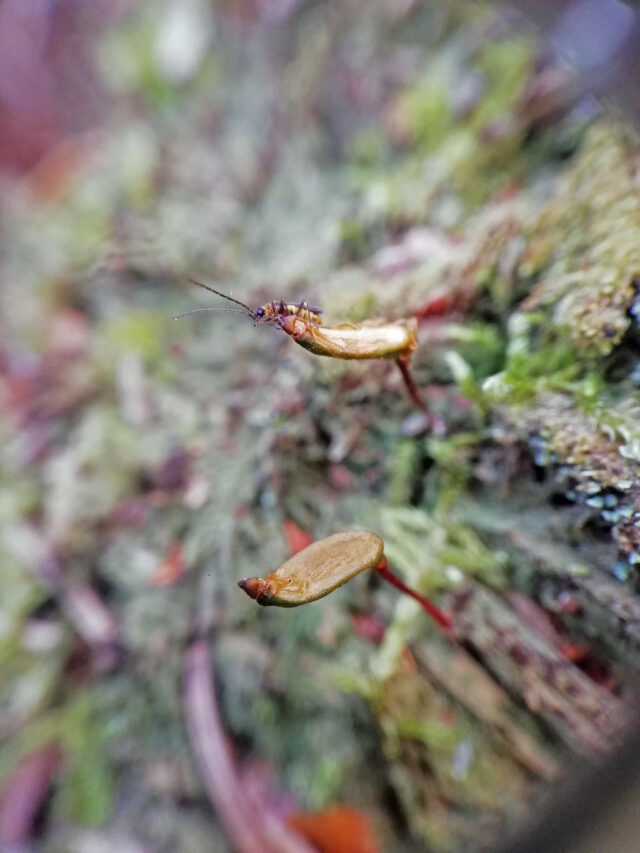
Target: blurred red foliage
{"type": "Point", "coordinates": [171, 568]}
{"type": "Point", "coordinates": [297, 539]}
{"type": "Point", "coordinates": [337, 830]}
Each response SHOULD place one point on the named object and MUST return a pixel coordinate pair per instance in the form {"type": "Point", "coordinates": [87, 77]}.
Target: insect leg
{"type": "Point", "coordinates": [304, 306]}
{"type": "Point", "coordinates": [295, 326]}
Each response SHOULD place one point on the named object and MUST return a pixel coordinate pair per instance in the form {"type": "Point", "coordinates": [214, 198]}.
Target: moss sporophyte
{"type": "Point", "coordinates": [326, 565]}
{"type": "Point", "coordinates": [303, 323]}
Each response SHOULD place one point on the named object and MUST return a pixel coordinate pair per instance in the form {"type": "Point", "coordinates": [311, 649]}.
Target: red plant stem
{"type": "Point", "coordinates": [411, 386]}
{"type": "Point", "coordinates": [443, 619]}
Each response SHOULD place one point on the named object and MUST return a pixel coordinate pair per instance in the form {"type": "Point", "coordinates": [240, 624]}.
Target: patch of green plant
{"type": "Point", "coordinates": [505, 66]}
{"type": "Point", "coordinates": [405, 462]}
{"type": "Point", "coordinates": [431, 551]}
{"type": "Point", "coordinates": [539, 356]}
{"type": "Point", "coordinates": [86, 784]}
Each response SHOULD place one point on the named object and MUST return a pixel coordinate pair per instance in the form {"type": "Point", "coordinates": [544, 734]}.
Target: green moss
{"type": "Point", "coordinates": [354, 240]}
{"type": "Point", "coordinates": [589, 237]}
{"type": "Point", "coordinates": [368, 149]}
{"type": "Point", "coordinates": [426, 113]}
{"type": "Point", "coordinates": [505, 66]}
{"type": "Point", "coordinates": [430, 732]}
{"type": "Point", "coordinates": [451, 472]}
{"type": "Point", "coordinates": [402, 475]}
{"type": "Point", "coordinates": [433, 552]}
{"type": "Point", "coordinates": [129, 65]}
{"type": "Point", "coordinates": [86, 783]}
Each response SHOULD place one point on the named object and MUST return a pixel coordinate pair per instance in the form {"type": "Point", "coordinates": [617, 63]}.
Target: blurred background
{"type": "Point", "coordinates": [381, 159]}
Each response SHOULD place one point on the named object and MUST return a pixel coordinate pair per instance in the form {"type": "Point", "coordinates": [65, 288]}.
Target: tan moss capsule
{"type": "Point", "coordinates": [349, 341]}
{"type": "Point", "coordinates": [317, 570]}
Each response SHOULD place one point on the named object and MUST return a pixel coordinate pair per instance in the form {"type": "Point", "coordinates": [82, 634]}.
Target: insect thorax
{"type": "Point", "coordinates": [280, 308]}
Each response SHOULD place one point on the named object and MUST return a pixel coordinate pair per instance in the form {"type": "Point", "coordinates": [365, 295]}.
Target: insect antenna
{"type": "Point", "coordinates": [223, 295]}
{"type": "Point", "coordinates": [207, 310]}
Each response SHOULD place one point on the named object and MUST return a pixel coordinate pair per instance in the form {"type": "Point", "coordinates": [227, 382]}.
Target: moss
{"type": "Point", "coordinates": [595, 445]}
{"type": "Point", "coordinates": [402, 476]}
{"type": "Point", "coordinates": [128, 61]}
{"type": "Point", "coordinates": [588, 241]}
{"type": "Point", "coordinates": [425, 113]}
{"type": "Point", "coordinates": [506, 66]}
{"type": "Point", "coordinates": [441, 755]}
{"type": "Point", "coordinates": [454, 180]}
{"type": "Point", "coordinates": [433, 552]}
{"type": "Point", "coordinates": [85, 788]}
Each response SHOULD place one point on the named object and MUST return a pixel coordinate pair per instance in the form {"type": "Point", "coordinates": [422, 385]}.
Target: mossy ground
{"type": "Point", "coordinates": [377, 165]}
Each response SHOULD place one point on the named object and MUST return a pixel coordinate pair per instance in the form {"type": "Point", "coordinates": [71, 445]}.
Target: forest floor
{"type": "Point", "coordinates": [424, 160]}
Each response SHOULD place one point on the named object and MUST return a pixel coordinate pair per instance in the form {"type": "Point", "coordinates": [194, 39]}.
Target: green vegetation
{"type": "Point", "coordinates": [379, 169]}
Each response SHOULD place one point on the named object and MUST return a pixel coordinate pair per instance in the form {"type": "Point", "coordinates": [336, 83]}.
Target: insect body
{"type": "Point", "coordinates": [272, 311]}
{"type": "Point", "coordinates": [279, 309]}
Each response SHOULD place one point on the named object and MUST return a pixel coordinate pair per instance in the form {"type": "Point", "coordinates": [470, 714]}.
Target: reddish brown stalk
{"type": "Point", "coordinates": [443, 619]}
{"type": "Point", "coordinates": [411, 386]}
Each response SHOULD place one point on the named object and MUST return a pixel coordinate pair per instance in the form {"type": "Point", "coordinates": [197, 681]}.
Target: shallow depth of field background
{"type": "Point", "coordinates": [381, 159]}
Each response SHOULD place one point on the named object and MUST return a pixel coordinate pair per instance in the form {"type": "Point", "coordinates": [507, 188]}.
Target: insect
{"type": "Point", "coordinates": [302, 322]}
{"type": "Point", "coordinates": [272, 311]}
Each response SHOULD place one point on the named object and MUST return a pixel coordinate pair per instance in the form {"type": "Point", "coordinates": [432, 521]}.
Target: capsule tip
{"type": "Point", "coordinates": [255, 588]}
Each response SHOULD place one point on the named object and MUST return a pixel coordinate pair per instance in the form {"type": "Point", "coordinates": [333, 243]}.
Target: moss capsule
{"type": "Point", "coordinates": [349, 341]}
{"type": "Point", "coordinates": [317, 570]}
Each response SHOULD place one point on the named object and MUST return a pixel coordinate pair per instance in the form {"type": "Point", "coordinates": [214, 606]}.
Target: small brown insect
{"type": "Point", "coordinates": [272, 311]}
{"type": "Point", "coordinates": [302, 322]}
